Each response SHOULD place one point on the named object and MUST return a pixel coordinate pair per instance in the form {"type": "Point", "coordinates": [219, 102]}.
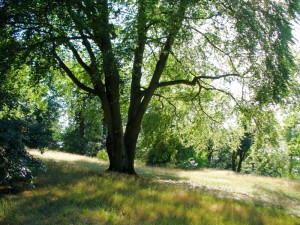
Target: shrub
{"type": "Point", "coordinates": [102, 154]}
{"type": "Point", "coordinates": [15, 163]}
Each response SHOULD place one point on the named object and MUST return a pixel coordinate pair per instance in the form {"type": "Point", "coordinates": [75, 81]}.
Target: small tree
{"type": "Point", "coordinates": [243, 151]}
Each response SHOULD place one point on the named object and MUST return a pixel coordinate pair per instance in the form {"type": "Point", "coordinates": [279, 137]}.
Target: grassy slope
{"type": "Point", "coordinates": [77, 193]}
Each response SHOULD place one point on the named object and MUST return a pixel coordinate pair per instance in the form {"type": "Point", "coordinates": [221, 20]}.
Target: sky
{"type": "Point", "coordinates": [296, 34]}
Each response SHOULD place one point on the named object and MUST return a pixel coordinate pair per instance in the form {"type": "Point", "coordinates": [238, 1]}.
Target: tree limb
{"type": "Point", "coordinates": [169, 102]}
{"type": "Point", "coordinates": [162, 61]}
{"type": "Point", "coordinates": [88, 46]}
{"type": "Point", "coordinates": [209, 116]}
{"type": "Point", "coordinates": [72, 76]}
{"type": "Point", "coordinates": [78, 58]}
{"type": "Point", "coordinates": [209, 41]}
{"type": "Point", "coordinates": [135, 92]}
{"type": "Point", "coordinates": [212, 88]}
{"type": "Point", "coordinates": [195, 79]}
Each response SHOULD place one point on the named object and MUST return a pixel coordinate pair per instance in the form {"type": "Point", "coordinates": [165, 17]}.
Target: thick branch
{"type": "Point", "coordinates": [72, 76]}
{"type": "Point", "coordinates": [78, 58]}
{"type": "Point", "coordinates": [88, 46]}
{"type": "Point", "coordinates": [80, 26]}
{"type": "Point", "coordinates": [135, 95]}
{"type": "Point", "coordinates": [92, 69]}
{"type": "Point", "coordinates": [194, 81]}
{"type": "Point", "coordinates": [175, 26]}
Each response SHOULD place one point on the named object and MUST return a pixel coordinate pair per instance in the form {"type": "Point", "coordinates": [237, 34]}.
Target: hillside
{"type": "Point", "coordinates": [75, 190]}
{"type": "Point", "coordinates": [266, 190]}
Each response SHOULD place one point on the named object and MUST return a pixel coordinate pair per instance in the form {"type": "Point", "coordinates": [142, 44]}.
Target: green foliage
{"type": "Point", "coordinates": [163, 141]}
{"type": "Point", "coordinates": [24, 121]}
{"type": "Point", "coordinates": [161, 152]}
{"type": "Point", "coordinates": [74, 143]}
{"type": "Point", "coordinates": [292, 136]}
{"type": "Point", "coordinates": [221, 158]}
{"type": "Point", "coordinates": [187, 158]}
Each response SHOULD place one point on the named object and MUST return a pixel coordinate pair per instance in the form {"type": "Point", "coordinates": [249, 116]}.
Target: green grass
{"type": "Point", "coordinates": [77, 193]}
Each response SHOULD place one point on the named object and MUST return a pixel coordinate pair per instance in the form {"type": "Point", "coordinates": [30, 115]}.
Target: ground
{"type": "Point", "coordinates": [76, 190]}
{"type": "Point", "coordinates": [266, 190]}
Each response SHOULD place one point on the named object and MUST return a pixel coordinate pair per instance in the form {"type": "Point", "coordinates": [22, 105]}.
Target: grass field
{"type": "Point", "coordinates": [75, 190]}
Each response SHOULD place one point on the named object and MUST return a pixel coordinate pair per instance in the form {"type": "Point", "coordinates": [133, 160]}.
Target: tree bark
{"type": "Point", "coordinates": [291, 164]}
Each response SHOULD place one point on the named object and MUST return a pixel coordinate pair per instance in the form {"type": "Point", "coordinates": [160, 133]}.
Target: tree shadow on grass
{"type": "Point", "coordinates": [279, 198]}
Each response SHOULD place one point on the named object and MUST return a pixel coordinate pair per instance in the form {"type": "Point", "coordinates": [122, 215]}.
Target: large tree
{"type": "Point", "coordinates": [126, 52]}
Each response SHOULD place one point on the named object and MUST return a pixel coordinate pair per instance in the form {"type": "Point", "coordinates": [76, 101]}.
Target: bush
{"type": "Point", "coordinates": [74, 143]}
{"type": "Point", "coordinates": [102, 154]}
{"type": "Point", "coordinates": [267, 161]}
{"type": "Point", "coordinates": [15, 163]}
{"type": "Point", "coordinates": [187, 158]}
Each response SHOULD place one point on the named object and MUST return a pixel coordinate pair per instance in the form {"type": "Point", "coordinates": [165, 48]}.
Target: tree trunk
{"type": "Point", "coordinates": [121, 151]}
{"type": "Point", "coordinates": [242, 155]}
{"type": "Point", "coordinates": [81, 122]}
{"type": "Point", "coordinates": [291, 165]}
{"type": "Point", "coordinates": [233, 161]}
{"type": "Point", "coordinates": [239, 166]}
{"type": "Point", "coordinates": [210, 151]}
{"type": "Point", "coordinates": [121, 147]}
{"type": "Point", "coordinates": [121, 157]}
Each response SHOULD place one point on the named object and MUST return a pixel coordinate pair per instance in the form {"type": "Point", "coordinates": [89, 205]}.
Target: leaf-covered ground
{"type": "Point", "coordinates": [75, 190]}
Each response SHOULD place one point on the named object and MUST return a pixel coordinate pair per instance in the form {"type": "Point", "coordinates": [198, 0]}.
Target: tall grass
{"type": "Point", "coordinates": [75, 194]}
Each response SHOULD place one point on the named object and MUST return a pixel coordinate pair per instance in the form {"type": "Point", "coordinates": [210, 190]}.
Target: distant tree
{"type": "Point", "coordinates": [125, 52]}
{"type": "Point", "coordinates": [242, 152]}
{"type": "Point", "coordinates": [85, 133]}
{"type": "Point", "coordinates": [292, 136]}
{"type": "Point", "coordinates": [268, 161]}
{"type": "Point", "coordinates": [291, 130]}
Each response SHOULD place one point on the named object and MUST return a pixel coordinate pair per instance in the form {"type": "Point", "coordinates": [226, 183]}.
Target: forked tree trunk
{"type": "Point", "coordinates": [121, 156]}
{"type": "Point", "coordinates": [121, 150]}
{"type": "Point", "coordinates": [121, 146]}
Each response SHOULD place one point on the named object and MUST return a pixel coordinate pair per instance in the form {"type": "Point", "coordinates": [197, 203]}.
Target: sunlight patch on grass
{"type": "Point", "coordinates": [63, 156]}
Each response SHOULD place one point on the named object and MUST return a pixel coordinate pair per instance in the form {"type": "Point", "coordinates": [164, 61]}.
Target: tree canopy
{"type": "Point", "coordinates": [127, 52]}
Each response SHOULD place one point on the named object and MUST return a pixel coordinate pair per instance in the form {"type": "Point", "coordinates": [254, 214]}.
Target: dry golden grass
{"type": "Point", "coordinates": [63, 156]}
